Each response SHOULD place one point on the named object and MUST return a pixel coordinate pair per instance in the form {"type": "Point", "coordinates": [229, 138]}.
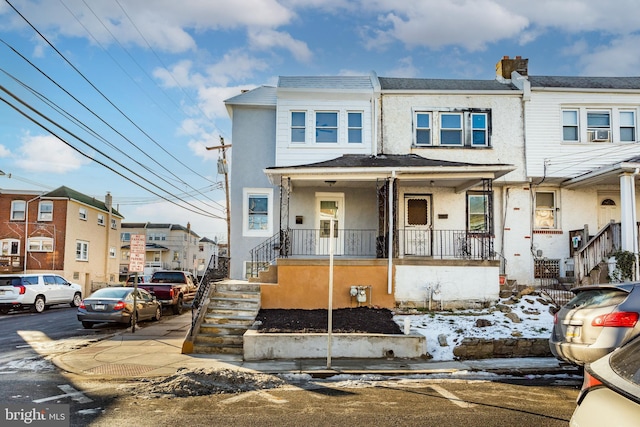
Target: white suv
{"type": "Point", "coordinates": [36, 291]}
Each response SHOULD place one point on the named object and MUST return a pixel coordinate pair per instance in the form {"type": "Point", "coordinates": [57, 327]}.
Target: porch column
{"type": "Point", "coordinates": [390, 239]}
{"type": "Point", "coordinates": [628, 218]}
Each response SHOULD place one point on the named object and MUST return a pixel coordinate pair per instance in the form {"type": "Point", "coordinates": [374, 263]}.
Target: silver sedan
{"type": "Point", "coordinates": [115, 305]}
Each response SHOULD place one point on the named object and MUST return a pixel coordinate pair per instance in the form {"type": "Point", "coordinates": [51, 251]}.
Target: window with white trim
{"type": "Point", "coordinates": [45, 211]}
{"type": "Point", "coordinates": [599, 125]}
{"type": "Point", "coordinates": [114, 224]}
{"type": "Point", "coordinates": [112, 252]}
{"type": "Point", "coordinates": [9, 247]}
{"type": "Point", "coordinates": [125, 237]}
{"type": "Point", "coordinates": [326, 126]}
{"type": "Point", "coordinates": [570, 125]}
{"type": "Point", "coordinates": [82, 213]}
{"type": "Point", "coordinates": [100, 219]}
{"type": "Point", "coordinates": [627, 126]}
{"type": "Point", "coordinates": [257, 211]}
{"type": "Point", "coordinates": [298, 126]}
{"type": "Point", "coordinates": [478, 207]}
{"type": "Point", "coordinates": [18, 208]}
{"type": "Point", "coordinates": [545, 210]}
{"type": "Point", "coordinates": [354, 127]}
{"type": "Point", "coordinates": [452, 128]}
{"type": "Point", "coordinates": [82, 250]}
{"type": "Point", "coordinates": [40, 244]}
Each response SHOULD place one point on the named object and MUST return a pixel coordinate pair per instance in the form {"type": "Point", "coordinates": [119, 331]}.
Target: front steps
{"type": "Point", "coordinates": [232, 310]}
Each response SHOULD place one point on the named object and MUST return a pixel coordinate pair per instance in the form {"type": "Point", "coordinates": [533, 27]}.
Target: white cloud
{"type": "Point", "coordinates": [265, 39]}
{"type": "Point", "coordinates": [619, 58]}
{"type": "Point", "coordinates": [4, 151]}
{"type": "Point", "coordinates": [234, 66]}
{"type": "Point", "coordinates": [47, 153]}
{"type": "Point", "coordinates": [405, 68]}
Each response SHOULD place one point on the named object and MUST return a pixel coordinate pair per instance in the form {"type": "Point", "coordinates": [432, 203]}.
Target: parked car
{"type": "Point", "coordinates": [37, 291]}
{"type": "Point", "coordinates": [142, 278]}
{"type": "Point", "coordinates": [173, 288]}
{"type": "Point", "coordinates": [115, 305]}
{"type": "Point", "coordinates": [610, 394]}
{"type": "Point", "coordinates": [596, 321]}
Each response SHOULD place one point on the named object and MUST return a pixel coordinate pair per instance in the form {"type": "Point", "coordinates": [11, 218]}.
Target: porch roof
{"type": "Point", "coordinates": [609, 174]}
{"type": "Point", "coordinates": [356, 167]}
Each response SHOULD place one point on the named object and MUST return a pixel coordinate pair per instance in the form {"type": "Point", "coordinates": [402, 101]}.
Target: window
{"type": "Point", "coordinates": [18, 208]}
{"type": "Point", "coordinates": [570, 125]}
{"type": "Point", "coordinates": [450, 129]}
{"type": "Point", "coordinates": [82, 250]}
{"type": "Point", "coordinates": [326, 127]}
{"type": "Point", "coordinates": [478, 209]}
{"type": "Point", "coordinates": [423, 129]}
{"type": "Point", "coordinates": [627, 126]}
{"type": "Point", "coordinates": [479, 130]}
{"type": "Point", "coordinates": [100, 219]}
{"type": "Point", "coordinates": [257, 211]}
{"type": "Point", "coordinates": [40, 244]}
{"type": "Point", "coordinates": [298, 126]}
{"type": "Point", "coordinates": [125, 255]}
{"type": "Point", "coordinates": [125, 237]}
{"type": "Point", "coordinates": [45, 211]}
{"type": "Point", "coordinates": [598, 126]}
{"type": "Point", "coordinates": [545, 213]}
{"type": "Point", "coordinates": [354, 127]}
{"type": "Point", "coordinates": [82, 214]}
{"type": "Point", "coordinates": [114, 224]}
{"type": "Point", "coordinates": [112, 252]}
{"type": "Point", "coordinates": [9, 247]}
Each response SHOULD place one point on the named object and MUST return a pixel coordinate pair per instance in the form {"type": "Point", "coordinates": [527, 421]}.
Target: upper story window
{"type": "Point", "coordinates": [354, 131]}
{"type": "Point", "coordinates": [545, 213]}
{"type": "Point", "coordinates": [18, 210]}
{"type": "Point", "coordinates": [100, 219]}
{"type": "Point", "coordinates": [298, 126]}
{"type": "Point", "coordinates": [598, 125]}
{"type": "Point", "coordinates": [45, 211]}
{"type": "Point", "coordinates": [40, 244]}
{"type": "Point", "coordinates": [114, 224]}
{"type": "Point", "coordinates": [9, 247]}
{"type": "Point", "coordinates": [257, 211]}
{"type": "Point", "coordinates": [82, 250]}
{"type": "Point", "coordinates": [82, 214]}
{"type": "Point", "coordinates": [452, 128]}
{"type": "Point", "coordinates": [125, 237]}
{"type": "Point", "coordinates": [326, 126]}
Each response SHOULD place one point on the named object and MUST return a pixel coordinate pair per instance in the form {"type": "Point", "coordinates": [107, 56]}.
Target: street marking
{"type": "Point", "coordinates": [451, 397]}
{"type": "Point", "coordinates": [69, 391]}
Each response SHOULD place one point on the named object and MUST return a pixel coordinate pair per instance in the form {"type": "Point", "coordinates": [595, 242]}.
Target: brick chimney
{"type": "Point", "coordinates": [506, 66]}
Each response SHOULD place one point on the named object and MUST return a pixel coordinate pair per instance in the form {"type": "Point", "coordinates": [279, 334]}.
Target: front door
{"type": "Point", "coordinates": [608, 209]}
{"type": "Point", "coordinates": [417, 225]}
{"type": "Point", "coordinates": [330, 207]}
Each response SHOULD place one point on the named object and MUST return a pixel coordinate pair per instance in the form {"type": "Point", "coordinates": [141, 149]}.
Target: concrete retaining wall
{"type": "Point", "coordinates": [480, 348]}
{"type": "Point", "coordinates": [264, 346]}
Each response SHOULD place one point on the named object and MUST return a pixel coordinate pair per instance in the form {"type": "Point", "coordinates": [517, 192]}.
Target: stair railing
{"type": "Point", "coordinates": [597, 249]}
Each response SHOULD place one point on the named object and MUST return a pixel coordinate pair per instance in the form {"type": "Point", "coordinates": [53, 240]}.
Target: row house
{"type": "Point", "coordinates": [60, 231]}
{"type": "Point", "coordinates": [410, 191]}
{"type": "Point", "coordinates": [168, 247]}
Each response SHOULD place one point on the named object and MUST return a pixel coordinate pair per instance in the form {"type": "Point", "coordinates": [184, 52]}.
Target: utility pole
{"type": "Point", "coordinates": [223, 168]}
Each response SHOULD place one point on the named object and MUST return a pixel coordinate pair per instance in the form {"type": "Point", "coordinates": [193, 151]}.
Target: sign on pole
{"type": "Point", "coordinates": [137, 252]}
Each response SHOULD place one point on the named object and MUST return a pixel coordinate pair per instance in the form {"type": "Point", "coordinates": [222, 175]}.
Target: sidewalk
{"type": "Point", "coordinates": [154, 349]}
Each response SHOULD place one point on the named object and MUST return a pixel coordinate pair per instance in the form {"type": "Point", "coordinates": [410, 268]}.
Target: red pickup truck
{"type": "Point", "coordinates": [172, 288]}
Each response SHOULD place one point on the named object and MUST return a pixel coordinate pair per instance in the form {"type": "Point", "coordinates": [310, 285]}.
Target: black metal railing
{"type": "Point", "coordinates": [217, 269]}
{"type": "Point", "coordinates": [453, 244]}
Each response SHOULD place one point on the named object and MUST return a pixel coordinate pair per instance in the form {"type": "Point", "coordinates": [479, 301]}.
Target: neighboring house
{"type": "Point", "coordinates": [169, 247]}
{"type": "Point", "coordinates": [582, 159]}
{"type": "Point", "coordinates": [66, 232]}
{"type": "Point", "coordinates": [404, 169]}
{"type": "Point", "coordinates": [207, 253]}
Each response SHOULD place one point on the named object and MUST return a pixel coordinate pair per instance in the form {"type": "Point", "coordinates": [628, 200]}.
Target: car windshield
{"type": "Point", "coordinates": [626, 361]}
{"type": "Point", "coordinates": [111, 293]}
{"type": "Point", "coordinates": [593, 298]}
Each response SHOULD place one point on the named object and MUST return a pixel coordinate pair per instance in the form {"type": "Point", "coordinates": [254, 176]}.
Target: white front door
{"type": "Point", "coordinates": [329, 207]}
{"type": "Point", "coordinates": [417, 225]}
{"type": "Point", "coordinates": [608, 209]}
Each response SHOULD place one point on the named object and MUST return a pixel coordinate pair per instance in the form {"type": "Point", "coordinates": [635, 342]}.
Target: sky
{"type": "Point", "coordinates": [125, 96]}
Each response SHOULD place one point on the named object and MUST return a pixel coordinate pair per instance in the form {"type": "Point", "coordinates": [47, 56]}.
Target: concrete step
{"type": "Point", "coordinates": [223, 329]}
{"type": "Point", "coordinates": [201, 348]}
{"type": "Point", "coordinates": [224, 302]}
{"type": "Point", "coordinates": [223, 320]}
{"type": "Point", "coordinates": [236, 295]}
{"type": "Point", "coordinates": [238, 287]}
{"type": "Point", "coordinates": [233, 311]}
{"type": "Point", "coordinates": [231, 340]}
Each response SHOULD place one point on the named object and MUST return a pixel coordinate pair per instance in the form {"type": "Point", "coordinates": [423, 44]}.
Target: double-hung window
{"type": "Point", "coordinates": [570, 129]}
{"type": "Point", "coordinates": [298, 126]}
{"type": "Point", "coordinates": [257, 212]}
{"type": "Point", "coordinates": [354, 124]}
{"type": "Point", "coordinates": [545, 212]}
{"type": "Point", "coordinates": [478, 212]}
{"type": "Point", "coordinates": [598, 126]}
{"type": "Point", "coordinates": [627, 126]}
{"type": "Point", "coordinates": [451, 129]}
{"type": "Point", "coordinates": [82, 250]}
{"type": "Point", "coordinates": [326, 127]}
{"type": "Point", "coordinates": [479, 130]}
{"type": "Point", "coordinates": [82, 214]}
{"type": "Point", "coordinates": [100, 219]}
{"type": "Point", "coordinates": [423, 128]}
{"type": "Point", "coordinates": [18, 208]}
{"type": "Point", "coordinates": [45, 211]}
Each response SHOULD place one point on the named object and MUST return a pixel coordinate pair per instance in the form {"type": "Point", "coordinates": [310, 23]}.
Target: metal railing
{"type": "Point", "coordinates": [11, 263]}
{"type": "Point", "coordinates": [217, 269]}
{"type": "Point", "coordinates": [443, 244]}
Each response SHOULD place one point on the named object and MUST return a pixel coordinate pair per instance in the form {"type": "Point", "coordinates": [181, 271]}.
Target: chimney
{"type": "Point", "coordinates": [108, 201]}
{"type": "Point", "coordinates": [506, 66]}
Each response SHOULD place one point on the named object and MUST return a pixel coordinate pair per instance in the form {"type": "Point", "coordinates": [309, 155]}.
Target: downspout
{"type": "Point", "coordinates": [635, 222]}
{"type": "Point", "coordinates": [390, 239]}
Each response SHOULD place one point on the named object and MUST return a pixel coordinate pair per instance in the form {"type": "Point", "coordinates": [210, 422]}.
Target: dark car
{"type": "Point", "coordinates": [115, 305]}
{"type": "Point", "coordinates": [599, 319]}
{"type": "Point", "coordinates": [142, 278]}
{"type": "Point", "coordinates": [610, 394]}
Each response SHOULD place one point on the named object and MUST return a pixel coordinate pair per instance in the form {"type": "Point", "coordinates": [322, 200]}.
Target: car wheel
{"type": "Point", "coordinates": [177, 308]}
{"type": "Point", "coordinates": [87, 325]}
{"type": "Point", "coordinates": [39, 304]}
{"type": "Point", "coordinates": [77, 299]}
{"type": "Point", "coordinates": [158, 313]}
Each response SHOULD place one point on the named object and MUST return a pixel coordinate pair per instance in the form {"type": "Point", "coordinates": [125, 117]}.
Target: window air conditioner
{"type": "Point", "coordinates": [600, 135]}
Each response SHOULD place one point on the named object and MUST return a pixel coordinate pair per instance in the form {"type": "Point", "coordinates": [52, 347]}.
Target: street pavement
{"type": "Point", "coordinates": [155, 349]}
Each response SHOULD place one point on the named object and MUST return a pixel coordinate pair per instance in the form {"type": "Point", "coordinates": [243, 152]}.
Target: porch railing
{"type": "Point", "coordinates": [443, 244]}
{"type": "Point", "coordinates": [597, 249]}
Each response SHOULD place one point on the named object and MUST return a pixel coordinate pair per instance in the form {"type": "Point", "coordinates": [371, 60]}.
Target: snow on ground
{"type": "Point", "coordinates": [532, 310]}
